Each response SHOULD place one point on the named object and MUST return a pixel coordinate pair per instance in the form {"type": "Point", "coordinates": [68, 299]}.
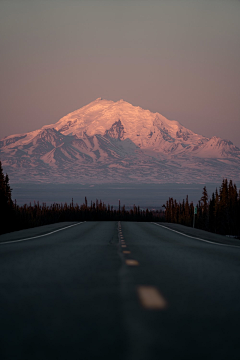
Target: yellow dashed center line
{"type": "Point", "coordinates": [150, 298]}
{"type": "Point", "coordinates": [132, 262]}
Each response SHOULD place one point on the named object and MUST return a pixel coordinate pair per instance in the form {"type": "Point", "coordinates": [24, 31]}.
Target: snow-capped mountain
{"type": "Point", "coordinates": [108, 141]}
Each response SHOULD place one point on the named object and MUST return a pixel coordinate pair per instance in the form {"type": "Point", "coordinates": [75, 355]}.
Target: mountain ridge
{"type": "Point", "coordinates": [118, 142]}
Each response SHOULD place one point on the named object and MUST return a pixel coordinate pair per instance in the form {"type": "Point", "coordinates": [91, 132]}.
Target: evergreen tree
{"type": "Point", "coordinates": [187, 213]}
{"type": "Point", "coordinates": [223, 208]}
{"type": "Point", "coordinates": [7, 222]}
{"type": "Point", "coordinates": [8, 191]}
{"type": "Point", "coordinates": [211, 213]}
{"type": "Point", "coordinates": [204, 209]}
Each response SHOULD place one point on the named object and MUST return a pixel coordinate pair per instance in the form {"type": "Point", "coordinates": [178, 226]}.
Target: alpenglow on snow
{"type": "Point", "coordinates": [107, 142]}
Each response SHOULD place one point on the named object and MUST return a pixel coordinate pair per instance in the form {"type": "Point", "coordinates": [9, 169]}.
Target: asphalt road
{"type": "Point", "coordinates": [129, 291]}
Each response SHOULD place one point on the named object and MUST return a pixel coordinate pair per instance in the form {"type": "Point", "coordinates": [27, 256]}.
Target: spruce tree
{"type": "Point", "coordinates": [8, 191]}
{"type": "Point", "coordinates": [6, 204]}
{"type": "Point", "coordinates": [211, 213]}
{"type": "Point", "coordinates": [204, 209]}
{"type": "Point", "coordinates": [224, 210]}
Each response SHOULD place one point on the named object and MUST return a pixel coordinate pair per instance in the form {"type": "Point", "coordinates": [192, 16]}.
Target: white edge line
{"type": "Point", "coordinates": [193, 237]}
{"type": "Point", "coordinates": [34, 237]}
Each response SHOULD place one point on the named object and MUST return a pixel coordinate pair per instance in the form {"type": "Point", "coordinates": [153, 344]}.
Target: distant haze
{"type": "Point", "coordinates": [178, 58]}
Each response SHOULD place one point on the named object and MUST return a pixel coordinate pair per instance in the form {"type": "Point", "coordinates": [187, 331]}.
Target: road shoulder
{"type": "Point", "coordinates": [36, 231]}
{"type": "Point", "coordinates": [205, 235]}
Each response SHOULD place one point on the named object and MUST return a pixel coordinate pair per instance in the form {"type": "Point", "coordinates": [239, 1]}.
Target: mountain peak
{"type": "Point", "coordinates": [144, 128]}
{"type": "Point", "coordinates": [123, 120]}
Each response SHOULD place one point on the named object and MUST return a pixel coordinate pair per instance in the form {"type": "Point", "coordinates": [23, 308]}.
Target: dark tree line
{"type": "Point", "coordinates": [219, 214]}
{"type": "Point", "coordinates": [15, 217]}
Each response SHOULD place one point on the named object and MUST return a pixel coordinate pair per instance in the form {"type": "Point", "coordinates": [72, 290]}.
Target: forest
{"type": "Point", "coordinates": [15, 217]}
{"type": "Point", "coordinates": [218, 214]}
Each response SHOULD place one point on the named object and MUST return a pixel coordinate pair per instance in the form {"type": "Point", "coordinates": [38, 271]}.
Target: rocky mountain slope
{"type": "Point", "coordinates": [108, 141]}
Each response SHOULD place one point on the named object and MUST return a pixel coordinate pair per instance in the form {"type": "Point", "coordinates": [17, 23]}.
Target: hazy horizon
{"type": "Point", "coordinates": [143, 195]}
{"type": "Point", "coordinates": [180, 59]}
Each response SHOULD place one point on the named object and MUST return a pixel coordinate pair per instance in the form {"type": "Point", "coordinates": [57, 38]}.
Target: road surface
{"type": "Point", "coordinates": [122, 291]}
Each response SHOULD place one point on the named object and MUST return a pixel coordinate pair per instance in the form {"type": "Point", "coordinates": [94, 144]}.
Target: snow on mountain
{"type": "Point", "coordinates": [144, 128]}
{"type": "Point", "coordinates": [108, 141]}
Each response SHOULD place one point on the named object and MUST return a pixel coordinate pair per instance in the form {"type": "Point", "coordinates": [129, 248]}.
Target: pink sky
{"type": "Point", "coordinates": [179, 58]}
